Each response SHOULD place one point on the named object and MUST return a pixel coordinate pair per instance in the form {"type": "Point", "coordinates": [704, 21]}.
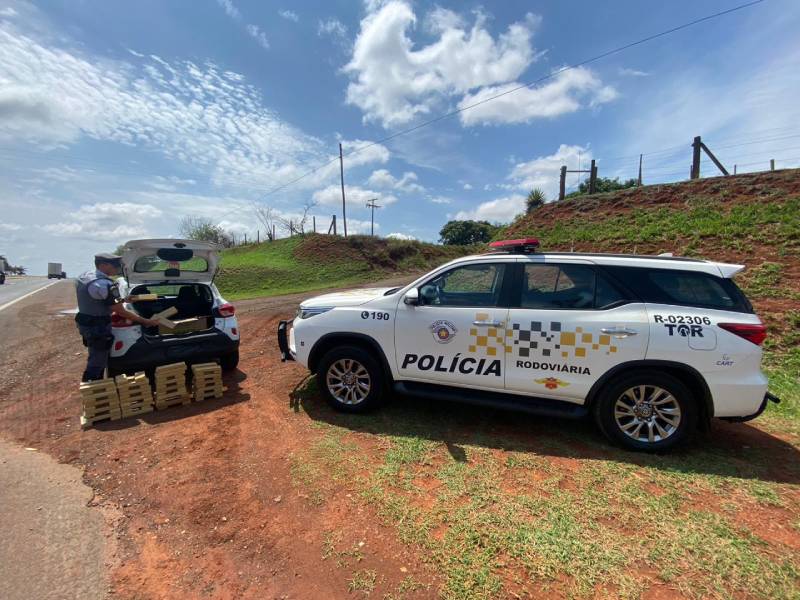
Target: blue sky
{"type": "Point", "coordinates": [119, 118]}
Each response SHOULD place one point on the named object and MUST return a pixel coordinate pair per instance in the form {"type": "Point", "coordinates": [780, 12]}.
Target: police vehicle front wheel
{"type": "Point", "coordinates": [646, 410]}
{"type": "Point", "coordinates": [350, 379]}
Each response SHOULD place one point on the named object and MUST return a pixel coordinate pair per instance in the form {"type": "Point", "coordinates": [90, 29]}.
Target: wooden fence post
{"type": "Point", "coordinates": [639, 181]}
{"type": "Point", "coordinates": [314, 223]}
{"type": "Point", "coordinates": [562, 185]}
{"type": "Point", "coordinates": [696, 145]}
{"type": "Point", "coordinates": [593, 178]}
{"type": "Point", "coordinates": [771, 164]}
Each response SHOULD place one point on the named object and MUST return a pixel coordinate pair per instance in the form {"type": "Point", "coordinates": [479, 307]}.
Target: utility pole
{"type": "Point", "coordinates": [341, 176]}
{"type": "Point", "coordinates": [639, 181]}
{"type": "Point", "coordinates": [371, 205]}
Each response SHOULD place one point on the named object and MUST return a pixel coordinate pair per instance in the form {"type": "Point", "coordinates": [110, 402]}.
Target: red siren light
{"type": "Point", "coordinates": [522, 245]}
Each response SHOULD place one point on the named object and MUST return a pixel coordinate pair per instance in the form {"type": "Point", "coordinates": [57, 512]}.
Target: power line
{"type": "Point", "coordinates": [516, 89]}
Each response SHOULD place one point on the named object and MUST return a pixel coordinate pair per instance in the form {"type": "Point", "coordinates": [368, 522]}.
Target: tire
{"type": "Point", "coordinates": [666, 419]}
{"type": "Point", "coordinates": [229, 362]}
{"type": "Point", "coordinates": [360, 393]}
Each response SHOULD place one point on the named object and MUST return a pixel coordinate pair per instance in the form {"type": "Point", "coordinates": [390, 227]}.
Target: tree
{"type": "Point", "coordinates": [467, 232]}
{"type": "Point", "coordinates": [535, 199]}
{"type": "Point", "coordinates": [204, 230]}
{"type": "Point", "coordinates": [603, 184]}
{"type": "Point", "coordinates": [297, 224]}
{"type": "Point", "coordinates": [268, 218]}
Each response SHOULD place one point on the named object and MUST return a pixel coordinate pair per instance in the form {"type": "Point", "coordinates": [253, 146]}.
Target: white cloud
{"type": "Point", "coordinates": [500, 210]}
{"type": "Point", "coordinates": [440, 200]}
{"type": "Point", "coordinates": [10, 227]}
{"type": "Point", "coordinates": [289, 15]}
{"type": "Point", "coordinates": [626, 72]}
{"type": "Point", "coordinates": [400, 236]}
{"type": "Point", "coordinates": [105, 221]}
{"type": "Point", "coordinates": [567, 92]}
{"type": "Point", "coordinates": [258, 35]}
{"type": "Point", "coordinates": [467, 186]}
{"type": "Point", "coordinates": [332, 27]}
{"type": "Point", "coordinates": [254, 31]}
{"type": "Point", "coordinates": [230, 9]}
{"type": "Point", "coordinates": [357, 196]}
{"type": "Point", "coordinates": [201, 115]}
{"type": "Point", "coordinates": [392, 82]}
{"type": "Point", "coordinates": [544, 172]}
{"type": "Point", "coordinates": [385, 180]}
{"type": "Point", "coordinates": [8, 12]}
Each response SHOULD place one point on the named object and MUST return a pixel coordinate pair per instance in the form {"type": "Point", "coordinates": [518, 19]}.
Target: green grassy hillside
{"type": "Point", "coordinates": [319, 261]}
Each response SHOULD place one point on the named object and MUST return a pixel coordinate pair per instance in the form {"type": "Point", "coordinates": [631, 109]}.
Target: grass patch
{"type": "Point", "coordinates": [514, 506]}
{"type": "Point", "coordinates": [312, 262]}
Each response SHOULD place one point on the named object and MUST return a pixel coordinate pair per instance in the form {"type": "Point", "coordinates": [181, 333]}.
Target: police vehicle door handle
{"type": "Point", "coordinates": [488, 323]}
{"type": "Point", "coordinates": [619, 332]}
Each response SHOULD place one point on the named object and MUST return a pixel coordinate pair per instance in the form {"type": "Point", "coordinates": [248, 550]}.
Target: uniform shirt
{"type": "Point", "coordinates": [98, 289]}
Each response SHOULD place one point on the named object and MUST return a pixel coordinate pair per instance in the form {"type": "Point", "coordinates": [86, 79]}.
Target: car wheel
{"type": "Point", "coordinates": [229, 362]}
{"type": "Point", "coordinates": [647, 410]}
{"type": "Point", "coordinates": [350, 379]}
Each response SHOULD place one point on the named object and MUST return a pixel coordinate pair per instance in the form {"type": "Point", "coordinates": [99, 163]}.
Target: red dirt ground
{"type": "Point", "coordinates": [206, 492]}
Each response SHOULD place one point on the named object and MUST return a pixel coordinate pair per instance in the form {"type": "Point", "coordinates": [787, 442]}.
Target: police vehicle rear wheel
{"type": "Point", "coordinates": [350, 379]}
{"type": "Point", "coordinates": [647, 410]}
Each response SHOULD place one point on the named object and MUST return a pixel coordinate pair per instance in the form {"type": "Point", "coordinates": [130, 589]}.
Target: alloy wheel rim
{"type": "Point", "coordinates": [348, 381]}
{"type": "Point", "coordinates": [647, 413]}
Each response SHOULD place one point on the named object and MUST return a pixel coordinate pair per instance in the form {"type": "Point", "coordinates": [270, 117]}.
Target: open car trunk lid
{"type": "Point", "coordinates": [151, 261]}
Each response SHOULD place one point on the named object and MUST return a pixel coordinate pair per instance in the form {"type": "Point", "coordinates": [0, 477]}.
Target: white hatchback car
{"type": "Point", "coordinates": [651, 346]}
{"type": "Point", "coordinates": [181, 274]}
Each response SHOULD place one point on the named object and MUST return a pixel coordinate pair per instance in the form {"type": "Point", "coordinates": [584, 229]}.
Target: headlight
{"type": "Point", "coordinates": [306, 312]}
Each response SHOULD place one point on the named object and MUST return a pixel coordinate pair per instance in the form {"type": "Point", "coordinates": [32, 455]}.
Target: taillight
{"type": "Point", "coordinates": [118, 321]}
{"type": "Point", "coordinates": [226, 310]}
{"type": "Point", "coordinates": [118, 345]}
{"type": "Point", "coordinates": [752, 333]}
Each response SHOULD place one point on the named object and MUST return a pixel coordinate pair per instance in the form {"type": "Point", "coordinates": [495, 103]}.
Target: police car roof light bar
{"type": "Point", "coordinates": [522, 245]}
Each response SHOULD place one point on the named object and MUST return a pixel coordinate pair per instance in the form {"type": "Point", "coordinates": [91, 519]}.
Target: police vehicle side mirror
{"type": "Point", "coordinates": [411, 297]}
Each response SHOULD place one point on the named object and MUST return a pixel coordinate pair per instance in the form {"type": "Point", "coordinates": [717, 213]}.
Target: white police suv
{"type": "Point", "coordinates": [651, 346]}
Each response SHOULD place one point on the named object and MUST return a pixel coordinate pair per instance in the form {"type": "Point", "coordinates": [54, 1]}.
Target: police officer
{"type": "Point", "coordinates": [98, 297]}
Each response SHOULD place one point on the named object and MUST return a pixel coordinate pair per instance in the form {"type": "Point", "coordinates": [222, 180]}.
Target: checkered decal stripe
{"type": "Point", "coordinates": [552, 341]}
{"type": "Point", "coordinates": [492, 342]}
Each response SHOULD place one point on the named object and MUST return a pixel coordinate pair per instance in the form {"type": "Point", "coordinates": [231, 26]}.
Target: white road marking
{"type": "Point", "coordinates": [7, 304]}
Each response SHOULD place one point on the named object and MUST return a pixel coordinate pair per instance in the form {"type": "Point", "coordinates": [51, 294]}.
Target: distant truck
{"type": "Point", "coordinates": [3, 269]}
{"type": "Point", "coordinates": [54, 271]}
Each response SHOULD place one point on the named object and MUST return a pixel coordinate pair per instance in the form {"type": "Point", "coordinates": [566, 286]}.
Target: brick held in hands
{"type": "Point", "coordinates": [142, 297]}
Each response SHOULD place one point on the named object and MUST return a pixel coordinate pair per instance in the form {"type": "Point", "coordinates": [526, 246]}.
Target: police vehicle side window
{"type": "Point", "coordinates": [683, 288]}
{"type": "Point", "coordinates": [567, 287]}
{"type": "Point", "coordinates": [468, 285]}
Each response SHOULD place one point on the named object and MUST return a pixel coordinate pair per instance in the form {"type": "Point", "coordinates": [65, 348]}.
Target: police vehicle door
{"type": "Point", "coordinates": [569, 325]}
{"type": "Point", "coordinates": [456, 334]}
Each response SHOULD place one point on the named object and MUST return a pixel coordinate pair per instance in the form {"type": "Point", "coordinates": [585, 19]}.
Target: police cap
{"type": "Point", "coordinates": [107, 257]}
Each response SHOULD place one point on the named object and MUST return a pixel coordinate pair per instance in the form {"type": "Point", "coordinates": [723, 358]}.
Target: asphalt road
{"type": "Point", "coordinates": [17, 287]}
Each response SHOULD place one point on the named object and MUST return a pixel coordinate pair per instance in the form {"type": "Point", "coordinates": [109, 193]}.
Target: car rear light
{"type": "Point", "coordinates": [752, 333]}
{"type": "Point", "coordinates": [226, 310]}
{"type": "Point", "coordinates": [234, 331]}
{"type": "Point", "coordinates": [118, 345]}
{"type": "Point", "coordinates": [118, 321]}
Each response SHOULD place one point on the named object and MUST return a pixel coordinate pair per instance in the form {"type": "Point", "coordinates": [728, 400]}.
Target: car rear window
{"type": "Point", "coordinates": [152, 263]}
{"type": "Point", "coordinates": [683, 288]}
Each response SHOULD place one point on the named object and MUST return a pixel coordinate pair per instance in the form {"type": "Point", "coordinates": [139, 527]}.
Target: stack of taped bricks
{"type": "Point", "coordinates": [171, 385]}
{"type": "Point", "coordinates": [206, 381]}
{"type": "Point", "coordinates": [135, 397]}
{"type": "Point", "coordinates": [99, 402]}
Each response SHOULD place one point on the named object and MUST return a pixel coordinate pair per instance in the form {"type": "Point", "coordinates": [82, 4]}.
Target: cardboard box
{"type": "Point", "coordinates": [183, 326]}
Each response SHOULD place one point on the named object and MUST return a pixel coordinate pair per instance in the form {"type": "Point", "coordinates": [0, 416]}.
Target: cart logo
{"type": "Point", "coordinates": [443, 331]}
{"type": "Point", "coordinates": [551, 383]}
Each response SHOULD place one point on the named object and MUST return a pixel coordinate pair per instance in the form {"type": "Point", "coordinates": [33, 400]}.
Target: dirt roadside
{"type": "Point", "coordinates": [205, 495]}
